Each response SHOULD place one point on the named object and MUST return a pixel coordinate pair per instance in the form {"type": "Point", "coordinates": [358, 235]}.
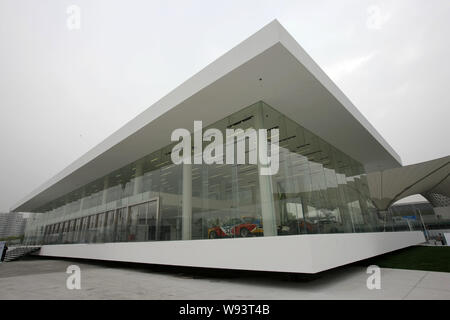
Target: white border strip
{"type": "Point", "coordinates": [299, 253]}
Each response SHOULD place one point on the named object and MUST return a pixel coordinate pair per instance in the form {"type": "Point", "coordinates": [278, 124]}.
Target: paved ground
{"type": "Point", "coordinates": [38, 278]}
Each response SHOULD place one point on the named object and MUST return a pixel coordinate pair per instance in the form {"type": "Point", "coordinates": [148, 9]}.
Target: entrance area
{"type": "Point", "coordinates": [144, 221]}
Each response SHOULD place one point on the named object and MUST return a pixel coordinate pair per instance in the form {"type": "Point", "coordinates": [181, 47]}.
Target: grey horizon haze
{"type": "Point", "coordinates": [63, 90]}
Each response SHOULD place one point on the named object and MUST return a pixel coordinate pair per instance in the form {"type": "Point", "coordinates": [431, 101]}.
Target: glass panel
{"type": "Point", "coordinates": [143, 221]}
{"type": "Point", "coordinates": [92, 229]}
{"type": "Point", "coordinates": [122, 225]}
{"type": "Point", "coordinates": [110, 226]}
{"type": "Point", "coordinates": [101, 225]}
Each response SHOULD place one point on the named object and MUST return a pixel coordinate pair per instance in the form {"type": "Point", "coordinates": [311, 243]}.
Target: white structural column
{"type": "Point", "coordinates": [205, 191]}
{"type": "Point", "coordinates": [138, 177]}
{"type": "Point", "coordinates": [267, 206]}
{"type": "Point", "coordinates": [105, 189]}
{"type": "Point", "coordinates": [265, 188]}
{"type": "Point", "coordinates": [83, 198]}
{"type": "Point", "coordinates": [187, 202]}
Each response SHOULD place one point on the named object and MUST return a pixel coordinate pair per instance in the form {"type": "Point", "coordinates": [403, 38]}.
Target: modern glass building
{"type": "Point", "coordinates": [126, 200]}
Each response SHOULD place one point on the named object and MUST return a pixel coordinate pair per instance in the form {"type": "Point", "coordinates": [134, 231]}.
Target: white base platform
{"type": "Point", "coordinates": [299, 253]}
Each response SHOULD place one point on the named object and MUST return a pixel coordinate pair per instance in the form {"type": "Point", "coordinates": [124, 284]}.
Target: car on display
{"type": "Point", "coordinates": [299, 226]}
{"type": "Point", "coordinates": [245, 227]}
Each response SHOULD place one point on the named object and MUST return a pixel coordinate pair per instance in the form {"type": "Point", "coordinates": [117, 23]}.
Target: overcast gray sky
{"type": "Point", "coordinates": [63, 91]}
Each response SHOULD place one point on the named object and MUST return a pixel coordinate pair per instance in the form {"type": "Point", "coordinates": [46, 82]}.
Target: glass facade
{"type": "Point", "coordinates": [318, 189]}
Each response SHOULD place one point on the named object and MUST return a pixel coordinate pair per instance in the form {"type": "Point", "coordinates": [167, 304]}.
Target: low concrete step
{"type": "Point", "coordinates": [19, 252]}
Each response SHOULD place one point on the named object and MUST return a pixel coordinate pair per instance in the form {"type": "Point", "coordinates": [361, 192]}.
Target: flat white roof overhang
{"type": "Point", "coordinates": [291, 83]}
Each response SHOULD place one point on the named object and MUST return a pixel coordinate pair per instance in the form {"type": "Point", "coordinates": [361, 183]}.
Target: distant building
{"type": "Point", "coordinates": [414, 209]}
{"type": "Point", "coordinates": [420, 215]}
{"type": "Point", "coordinates": [11, 224]}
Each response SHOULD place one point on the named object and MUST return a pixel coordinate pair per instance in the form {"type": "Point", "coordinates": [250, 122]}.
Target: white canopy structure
{"type": "Point", "coordinates": [391, 185]}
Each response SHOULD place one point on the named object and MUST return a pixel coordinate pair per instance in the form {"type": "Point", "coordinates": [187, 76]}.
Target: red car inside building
{"type": "Point", "coordinates": [236, 228]}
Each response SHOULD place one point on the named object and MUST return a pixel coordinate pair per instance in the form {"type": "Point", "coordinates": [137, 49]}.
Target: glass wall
{"type": "Point", "coordinates": [318, 189]}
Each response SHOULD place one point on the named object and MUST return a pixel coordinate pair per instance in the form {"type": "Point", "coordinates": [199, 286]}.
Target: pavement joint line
{"type": "Point", "coordinates": [415, 286]}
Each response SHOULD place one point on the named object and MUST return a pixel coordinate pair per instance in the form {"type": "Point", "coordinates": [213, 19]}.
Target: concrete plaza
{"type": "Point", "coordinates": [40, 278]}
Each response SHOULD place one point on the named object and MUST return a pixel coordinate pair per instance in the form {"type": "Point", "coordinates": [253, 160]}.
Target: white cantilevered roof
{"type": "Point", "coordinates": [269, 66]}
